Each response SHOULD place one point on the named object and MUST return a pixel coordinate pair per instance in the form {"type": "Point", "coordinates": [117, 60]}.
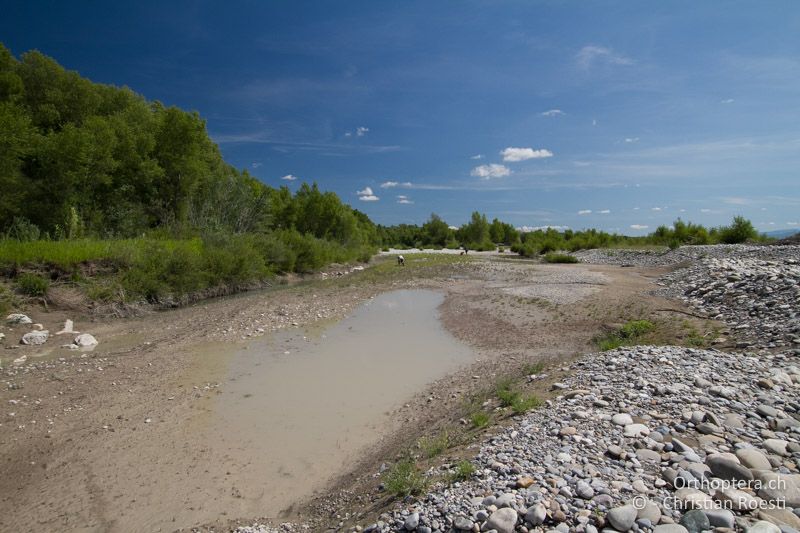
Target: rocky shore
{"type": "Point", "coordinates": [653, 438]}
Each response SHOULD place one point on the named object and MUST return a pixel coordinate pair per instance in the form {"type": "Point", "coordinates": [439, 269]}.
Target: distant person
{"type": "Point", "coordinates": [401, 260]}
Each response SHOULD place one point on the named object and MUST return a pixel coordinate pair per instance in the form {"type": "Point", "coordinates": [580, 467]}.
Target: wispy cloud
{"type": "Point", "coordinates": [286, 145]}
{"type": "Point", "coordinates": [605, 211]}
{"type": "Point", "coordinates": [528, 229]}
{"type": "Point", "coordinates": [490, 171]}
{"type": "Point", "coordinates": [256, 164]}
{"type": "Point", "coordinates": [477, 156]}
{"type": "Point", "coordinates": [552, 113]}
{"type": "Point", "coordinates": [656, 208]}
{"type": "Point", "coordinates": [289, 177]}
{"type": "Point", "coordinates": [403, 199]}
{"type": "Point", "coordinates": [639, 226]}
{"type": "Point", "coordinates": [514, 155]}
{"type": "Point", "coordinates": [367, 195]}
{"type": "Point", "coordinates": [361, 131]}
{"type": "Point", "coordinates": [585, 212]}
{"type": "Point", "coordinates": [590, 55]}
{"type": "Point", "coordinates": [631, 140]}
{"type": "Point", "coordinates": [735, 200]}
{"type": "Point", "coordinates": [393, 184]}
{"type": "Point", "coordinates": [727, 101]}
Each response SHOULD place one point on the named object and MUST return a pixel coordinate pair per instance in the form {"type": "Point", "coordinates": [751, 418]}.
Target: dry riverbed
{"type": "Point", "coordinates": [167, 423]}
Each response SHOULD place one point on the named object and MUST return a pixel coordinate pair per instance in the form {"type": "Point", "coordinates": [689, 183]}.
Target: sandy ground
{"type": "Point", "coordinates": [86, 438]}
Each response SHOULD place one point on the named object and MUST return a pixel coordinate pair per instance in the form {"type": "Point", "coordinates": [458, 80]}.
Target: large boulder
{"type": "Point", "coordinates": [18, 318]}
{"type": "Point", "coordinates": [503, 521]}
{"type": "Point", "coordinates": [85, 339]}
{"type": "Point", "coordinates": [622, 518]}
{"type": "Point", "coordinates": [35, 338]}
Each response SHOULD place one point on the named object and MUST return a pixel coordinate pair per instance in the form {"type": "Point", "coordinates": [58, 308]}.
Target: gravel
{"type": "Point", "coordinates": [652, 438]}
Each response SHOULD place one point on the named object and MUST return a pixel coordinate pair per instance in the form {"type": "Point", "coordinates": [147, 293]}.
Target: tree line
{"type": "Point", "coordinates": [83, 159]}
{"type": "Point", "coordinates": [480, 234]}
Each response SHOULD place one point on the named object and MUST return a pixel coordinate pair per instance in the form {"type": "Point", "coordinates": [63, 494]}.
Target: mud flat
{"type": "Point", "coordinates": [199, 416]}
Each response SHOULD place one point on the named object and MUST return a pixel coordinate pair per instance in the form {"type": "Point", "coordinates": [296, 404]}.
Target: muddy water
{"type": "Point", "coordinates": [297, 407]}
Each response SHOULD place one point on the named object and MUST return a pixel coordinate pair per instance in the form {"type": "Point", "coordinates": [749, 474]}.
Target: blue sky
{"type": "Point", "coordinates": [609, 114]}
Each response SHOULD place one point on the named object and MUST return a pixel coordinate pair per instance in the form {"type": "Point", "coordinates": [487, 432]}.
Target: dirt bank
{"type": "Point", "coordinates": [83, 434]}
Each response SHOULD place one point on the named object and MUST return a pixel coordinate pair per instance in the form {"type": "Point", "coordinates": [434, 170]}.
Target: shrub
{"type": "Point", "coordinates": [524, 404]}
{"type": "Point", "coordinates": [504, 392]}
{"type": "Point", "coordinates": [636, 328]}
{"type": "Point", "coordinates": [32, 284]}
{"type": "Point", "coordinates": [479, 419]}
{"type": "Point", "coordinates": [463, 471]}
{"type": "Point", "coordinates": [740, 230]}
{"type": "Point", "coordinates": [629, 333]}
{"type": "Point", "coordinates": [532, 368]}
{"type": "Point", "coordinates": [559, 258]}
{"type": "Point", "coordinates": [23, 230]}
{"type": "Point", "coordinates": [404, 478]}
{"type": "Point", "coordinates": [433, 446]}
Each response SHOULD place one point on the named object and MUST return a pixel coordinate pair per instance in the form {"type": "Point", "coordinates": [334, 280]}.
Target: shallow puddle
{"type": "Point", "coordinates": [296, 408]}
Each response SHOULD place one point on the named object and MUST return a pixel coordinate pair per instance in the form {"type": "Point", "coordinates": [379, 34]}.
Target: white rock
{"type": "Point", "coordinates": [35, 338]}
{"type": "Point", "coordinates": [18, 318]}
{"type": "Point", "coordinates": [85, 339]}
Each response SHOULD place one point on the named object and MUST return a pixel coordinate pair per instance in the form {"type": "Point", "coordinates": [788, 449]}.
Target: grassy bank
{"type": "Point", "coordinates": [165, 271]}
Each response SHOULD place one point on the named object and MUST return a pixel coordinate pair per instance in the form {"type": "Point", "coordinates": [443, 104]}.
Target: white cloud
{"type": "Point", "coordinates": [585, 212]}
{"type": "Point", "coordinates": [289, 177]}
{"type": "Point", "coordinates": [528, 229]}
{"type": "Point", "coordinates": [514, 155]}
{"type": "Point", "coordinates": [635, 208]}
{"type": "Point", "coordinates": [631, 139]}
{"type": "Point", "coordinates": [477, 156]}
{"type": "Point", "coordinates": [638, 226]}
{"type": "Point", "coordinates": [403, 199]}
{"type": "Point", "coordinates": [589, 55]}
{"type": "Point", "coordinates": [655, 209]}
{"type": "Point", "coordinates": [361, 131]}
{"type": "Point", "coordinates": [367, 195]}
{"type": "Point", "coordinates": [490, 171]}
{"type": "Point", "coordinates": [791, 223]}
{"type": "Point", "coordinates": [605, 211]}
{"type": "Point", "coordinates": [705, 210]}
{"type": "Point", "coordinates": [393, 184]}
{"type": "Point", "coordinates": [552, 113]}
{"type": "Point", "coordinates": [256, 165]}
{"type": "Point", "coordinates": [727, 101]}
{"type": "Point", "coordinates": [348, 134]}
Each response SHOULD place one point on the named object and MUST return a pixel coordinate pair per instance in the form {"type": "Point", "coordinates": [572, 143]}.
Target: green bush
{"type": "Point", "coordinates": [404, 478]}
{"type": "Point", "coordinates": [479, 419]}
{"type": "Point", "coordinates": [524, 404]}
{"type": "Point", "coordinates": [741, 230]}
{"type": "Point", "coordinates": [553, 257]}
{"type": "Point", "coordinates": [636, 328]}
{"type": "Point", "coordinates": [628, 334]}
{"type": "Point", "coordinates": [433, 446]}
{"type": "Point", "coordinates": [463, 471]}
{"type": "Point", "coordinates": [33, 284]}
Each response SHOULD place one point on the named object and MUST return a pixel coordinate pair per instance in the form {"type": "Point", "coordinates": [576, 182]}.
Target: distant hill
{"type": "Point", "coordinates": [782, 233]}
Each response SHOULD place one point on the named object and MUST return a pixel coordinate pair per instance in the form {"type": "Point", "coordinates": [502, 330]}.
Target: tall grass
{"type": "Point", "coordinates": [156, 269]}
